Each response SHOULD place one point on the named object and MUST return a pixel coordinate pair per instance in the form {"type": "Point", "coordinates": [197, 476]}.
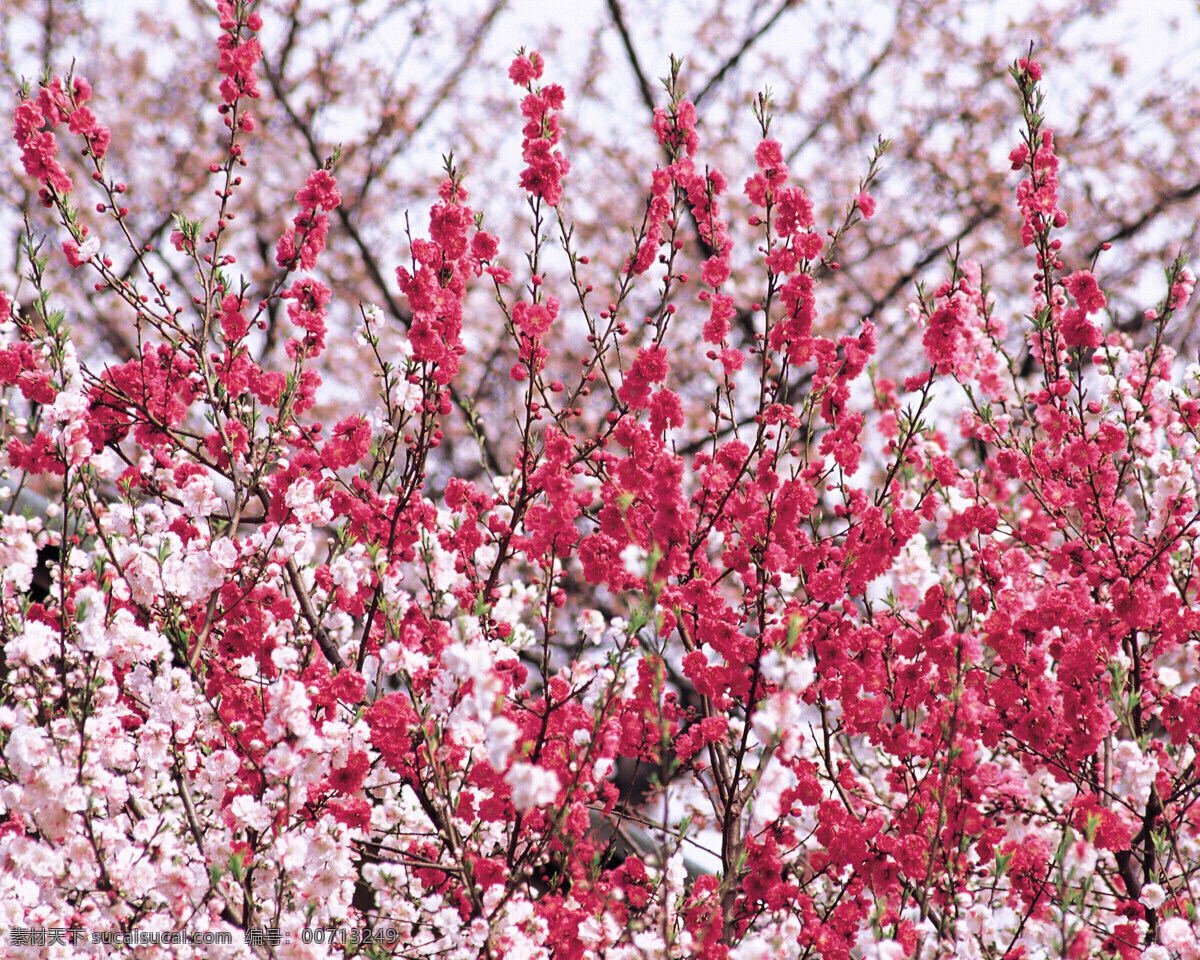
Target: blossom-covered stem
{"type": "Point", "coordinates": [240, 51]}
{"type": "Point", "coordinates": [918, 686]}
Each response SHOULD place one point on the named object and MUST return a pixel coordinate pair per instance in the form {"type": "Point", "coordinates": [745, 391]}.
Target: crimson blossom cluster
{"type": "Point", "coordinates": [731, 650]}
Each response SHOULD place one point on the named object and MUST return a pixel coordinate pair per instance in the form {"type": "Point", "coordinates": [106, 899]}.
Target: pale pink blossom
{"type": "Point", "coordinates": [198, 497]}
{"type": "Point", "coordinates": [36, 642]}
{"type": "Point", "coordinates": [1153, 896]}
{"type": "Point", "coordinates": [501, 736]}
{"type": "Point", "coordinates": [532, 785]}
{"type": "Point", "coordinates": [250, 813]}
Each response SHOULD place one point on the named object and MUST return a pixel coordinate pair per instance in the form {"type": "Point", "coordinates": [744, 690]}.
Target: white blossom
{"type": "Point", "coordinates": [532, 786]}
{"type": "Point", "coordinates": [36, 642]}
{"type": "Point", "coordinates": [501, 736]}
{"type": "Point", "coordinates": [250, 813]}
{"type": "Point", "coordinates": [633, 559]}
{"type": "Point", "coordinates": [1153, 896]}
{"type": "Point", "coordinates": [198, 497]}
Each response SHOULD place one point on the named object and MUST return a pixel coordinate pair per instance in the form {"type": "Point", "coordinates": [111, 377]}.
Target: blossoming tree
{"type": "Point", "coordinates": [398, 83]}
{"type": "Point", "coordinates": [725, 650]}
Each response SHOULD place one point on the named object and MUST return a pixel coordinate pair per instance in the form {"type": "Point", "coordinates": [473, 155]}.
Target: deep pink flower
{"type": "Point", "coordinates": [1077, 330]}
{"type": "Point", "coordinates": [535, 319]}
{"type": "Point", "coordinates": [526, 68]}
{"type": "Point", "coordinates": [319, 192]}
{"type": "Point", "coordinates": [1083, 287]}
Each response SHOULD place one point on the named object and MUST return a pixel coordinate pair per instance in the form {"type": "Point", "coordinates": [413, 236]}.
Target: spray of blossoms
{"type": "Point", "coordinates": [761, 662]}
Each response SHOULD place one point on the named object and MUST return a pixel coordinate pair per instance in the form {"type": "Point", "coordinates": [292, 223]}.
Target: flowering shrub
{"type": "Point", "coordinates": [754, 663]}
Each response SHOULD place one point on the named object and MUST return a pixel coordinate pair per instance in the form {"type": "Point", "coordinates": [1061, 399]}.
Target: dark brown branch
{"type": "Point", "coordinates": [1133, 227]}
{"type": "Point", "coordinates": [320, 634]}
{"type": "Point", "coordinates": [980, 218]}
{"type": "Point", "coordinates": [750, 41]}
{"type": "Point", "coordinates": [614, 7]}
{"type": "Point", "coordinates": [842, 98]}
{"type": "Point", "coordinates": [468, 57]}
{"type": "Point", "coordinates": [366, 254]}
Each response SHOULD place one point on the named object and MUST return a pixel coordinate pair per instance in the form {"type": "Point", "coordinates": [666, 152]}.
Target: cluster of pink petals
{"type": "Point", "coordinates": [908, 708]}
{"type": "Point", "coordinates": [35, 121]}
{"type": "Point", "coordinates": [304, 240]}
{"type": "Point", "coordinates": [545, 166]}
